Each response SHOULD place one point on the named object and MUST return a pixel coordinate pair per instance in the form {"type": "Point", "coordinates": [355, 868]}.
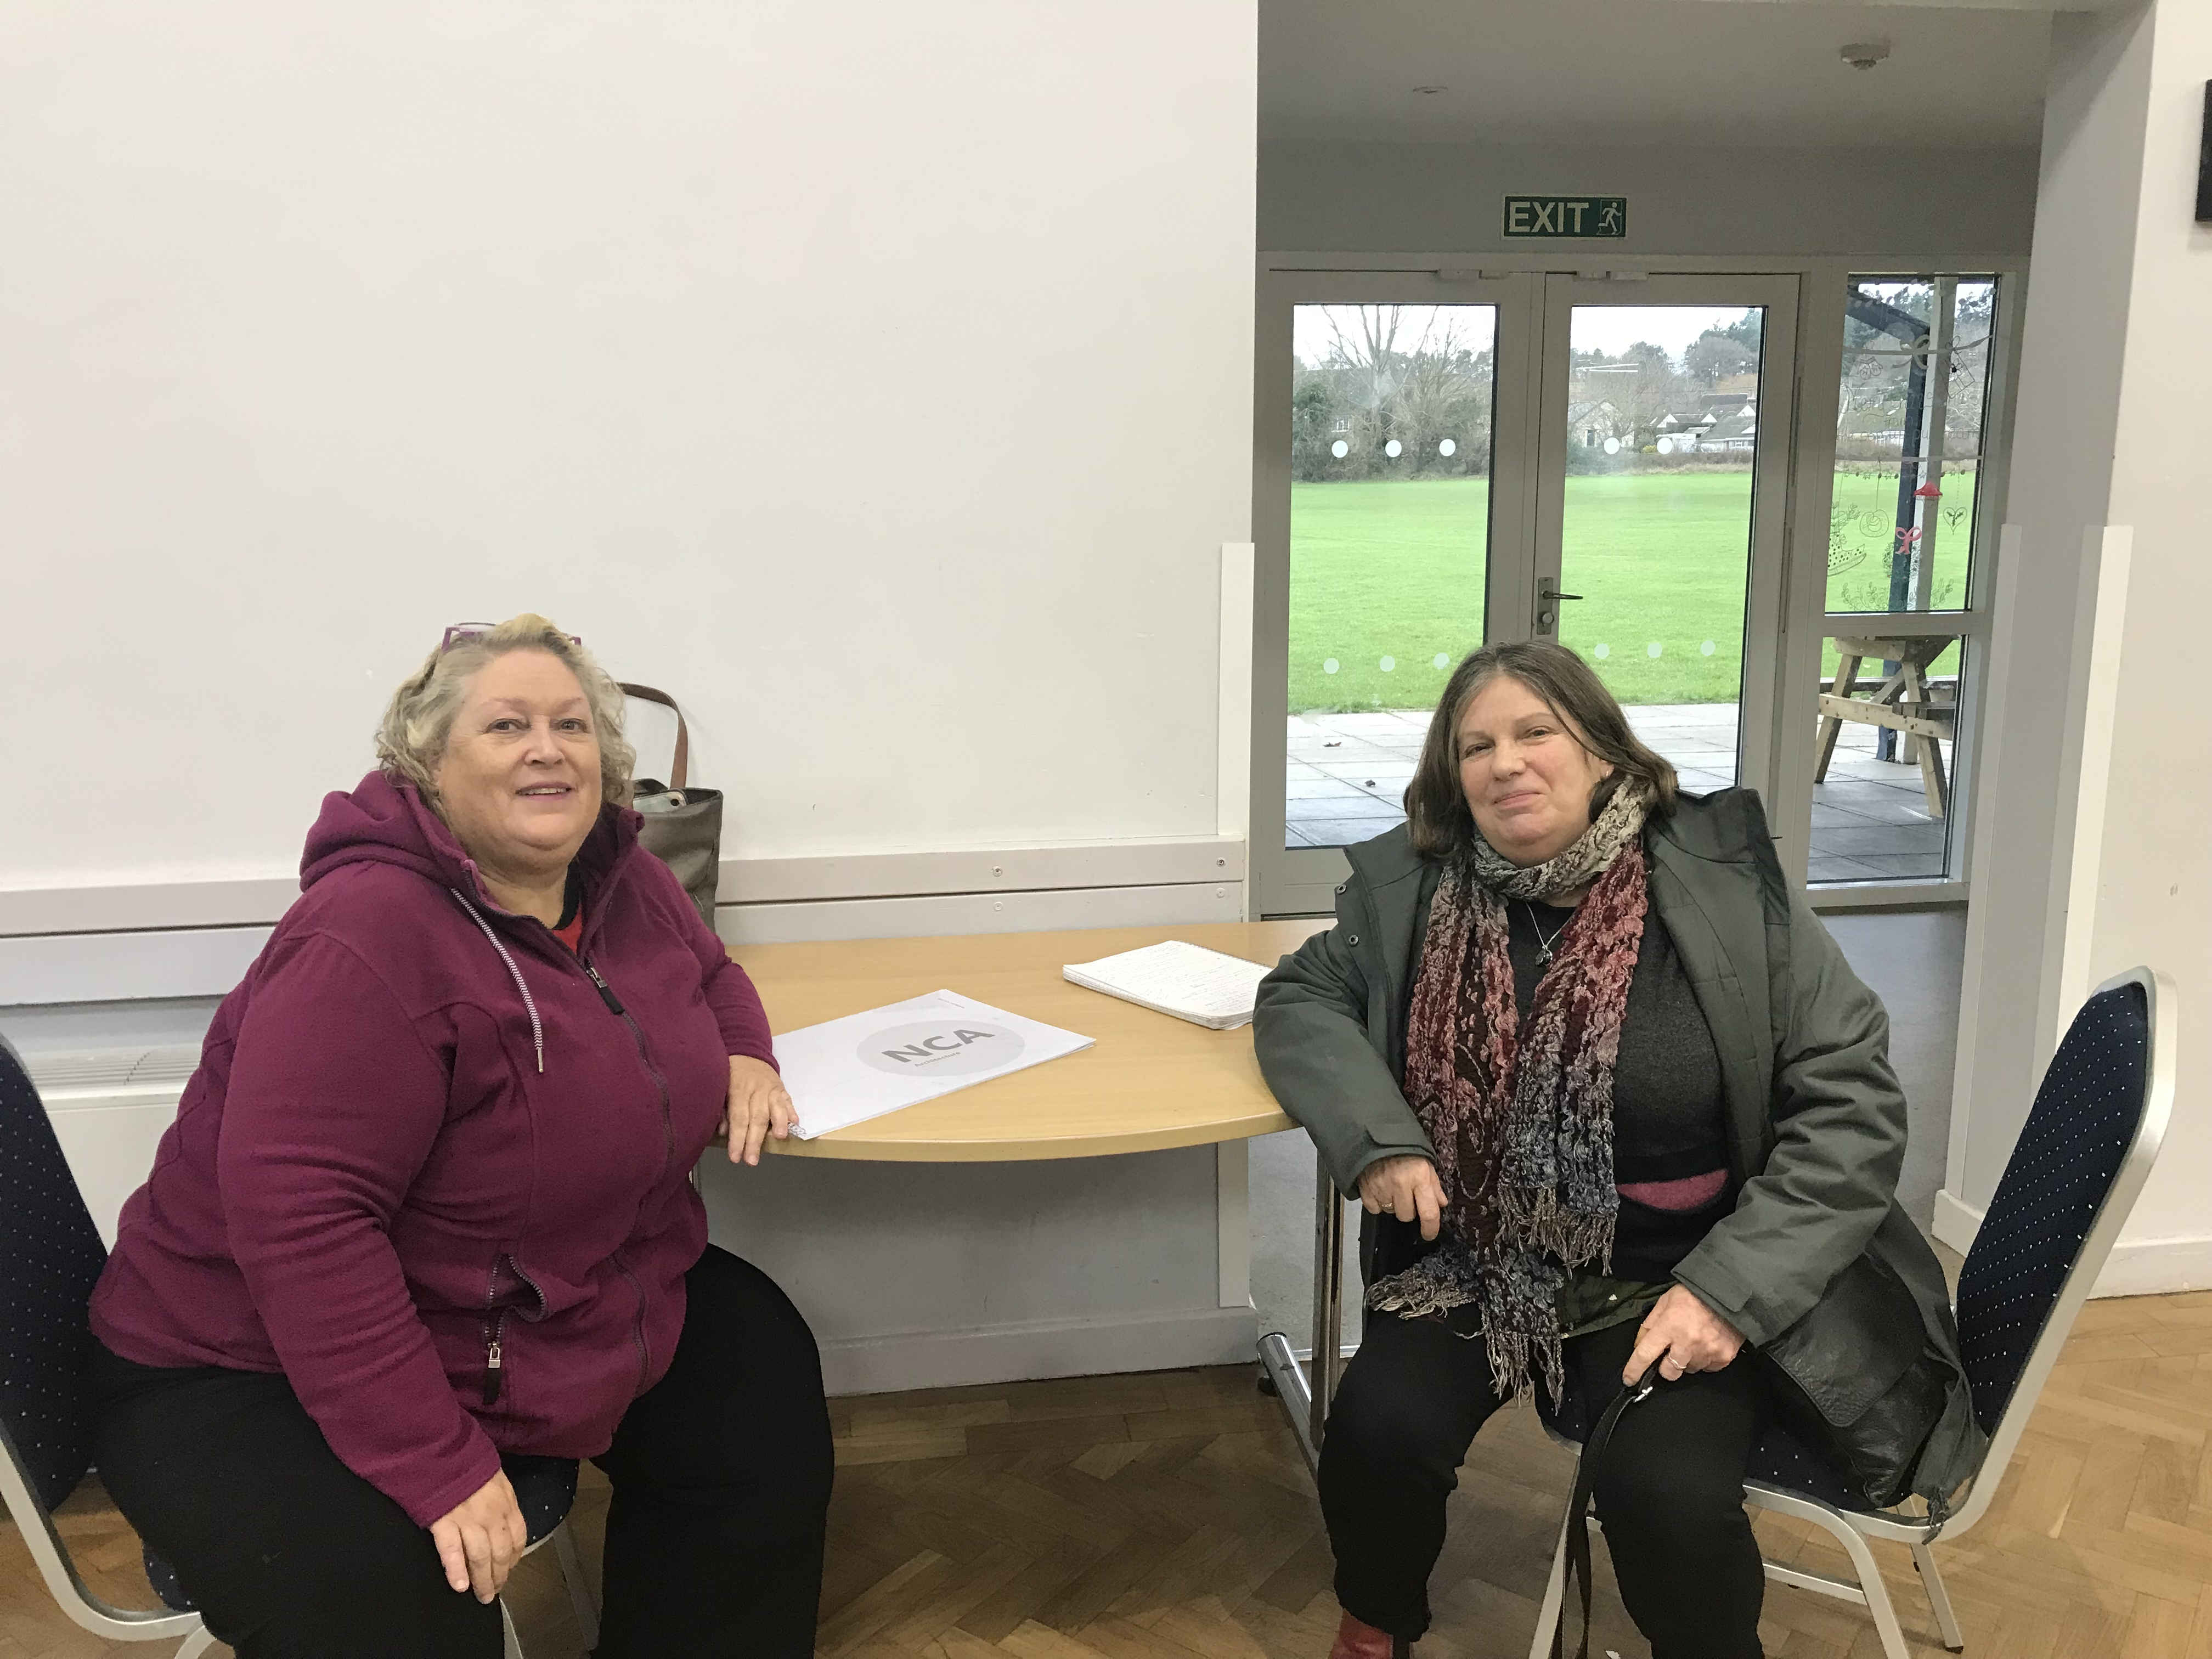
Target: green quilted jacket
{"type": "Point", "coordinates": [1815, 1118]}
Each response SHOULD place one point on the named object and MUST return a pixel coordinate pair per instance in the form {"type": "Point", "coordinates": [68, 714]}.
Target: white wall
{"type": "Point", "coordinates": [2116, 339]}
{"type": "Point", "coordinates": [1370, 197]}
{"type": "Point", "coordinates": [876, 377]}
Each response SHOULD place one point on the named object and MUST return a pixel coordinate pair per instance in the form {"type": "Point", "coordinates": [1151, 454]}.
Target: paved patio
{"type": "Point", "coordinates": [1870, 822]}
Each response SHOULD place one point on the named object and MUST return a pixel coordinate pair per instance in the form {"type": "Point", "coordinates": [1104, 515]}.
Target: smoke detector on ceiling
{"type": "Point", "coordinates": [1865, 54]}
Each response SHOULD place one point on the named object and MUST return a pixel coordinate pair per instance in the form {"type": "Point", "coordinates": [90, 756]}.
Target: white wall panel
{"type": "Point", "coordinates": [874, 377]}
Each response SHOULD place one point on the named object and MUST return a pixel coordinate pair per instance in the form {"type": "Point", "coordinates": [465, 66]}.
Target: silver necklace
{"type": "Point", "coordinates": [1544, 954]}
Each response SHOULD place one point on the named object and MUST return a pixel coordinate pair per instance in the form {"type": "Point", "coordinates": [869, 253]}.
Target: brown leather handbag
{"type": "Point", "coordinates": [683, 825]}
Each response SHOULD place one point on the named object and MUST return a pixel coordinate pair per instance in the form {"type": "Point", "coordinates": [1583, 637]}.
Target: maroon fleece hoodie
{"type": "Point", "coordinates": [433, 1167]}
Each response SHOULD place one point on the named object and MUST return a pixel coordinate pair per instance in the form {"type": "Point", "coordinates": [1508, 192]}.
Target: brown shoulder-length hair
{"type": "Point", "coordinates": [1436, 806]}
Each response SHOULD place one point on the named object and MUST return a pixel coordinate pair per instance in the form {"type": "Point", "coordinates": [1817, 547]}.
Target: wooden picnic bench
{"type": "Point", "coordinates": [1921, 711]}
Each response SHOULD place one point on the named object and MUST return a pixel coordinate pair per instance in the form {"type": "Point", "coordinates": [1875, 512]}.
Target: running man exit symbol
{"type": "Point", "coordinates": [1566, 215]}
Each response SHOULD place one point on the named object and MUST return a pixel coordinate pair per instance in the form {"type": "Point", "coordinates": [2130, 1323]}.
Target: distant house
{"type": "Point", "coordinates": [1678, 431]}
{"type": "Point", "coordinates": [1721, 403]}
{"type": "Point", "coordinates": [1737, 433]}
{"type": "Point", "coordinates": [1589, 424]}
{"type": "Point", "coordinates": [1728, 424]}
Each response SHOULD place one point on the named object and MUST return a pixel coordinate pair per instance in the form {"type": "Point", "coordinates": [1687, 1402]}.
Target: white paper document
{"type": "Point", "coordinates": [1188, 980]}
{"type": "Point", "coordinates": [846, 1071]}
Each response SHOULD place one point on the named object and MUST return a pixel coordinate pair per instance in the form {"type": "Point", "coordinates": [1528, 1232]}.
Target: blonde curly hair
{"type": "Point", "coordinates": [418, 721]}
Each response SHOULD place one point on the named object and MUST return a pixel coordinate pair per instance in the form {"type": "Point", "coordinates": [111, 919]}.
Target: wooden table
{"type": "Point", "coordinates": [1148, 1083]}
{"type": "Point", "coordinates": [1906, 703]}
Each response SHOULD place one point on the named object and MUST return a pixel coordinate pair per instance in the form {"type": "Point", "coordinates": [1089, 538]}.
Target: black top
{"type": "Point", "coordinates": [1668, 1117]}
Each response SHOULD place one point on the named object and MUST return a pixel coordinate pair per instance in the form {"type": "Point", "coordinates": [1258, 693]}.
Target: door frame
{"type": "Point", "coordinates": [1798, 618]}
{"type": "Point", "coordinates": [1303, 880]}
{"type": "Point", "coordinates": [1768, 554]}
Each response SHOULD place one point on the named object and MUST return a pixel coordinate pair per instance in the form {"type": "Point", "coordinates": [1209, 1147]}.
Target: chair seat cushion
{"type": "Point", "coordinates": [163, 1578]}
{"type": "Point", "coordinates": [544, 1489]}
{"type": "Point", "coordinates": [1779, 1459]}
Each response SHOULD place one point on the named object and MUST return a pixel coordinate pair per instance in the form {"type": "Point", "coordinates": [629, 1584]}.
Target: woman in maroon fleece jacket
{"type": "Point", "coordinates": [426, 1204]}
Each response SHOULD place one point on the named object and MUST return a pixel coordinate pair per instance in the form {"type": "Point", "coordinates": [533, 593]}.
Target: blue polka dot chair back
{"type": "Point", "coordinates": [2064, 1172]}
{"type": "Point", "coordinates": [50, 1257]}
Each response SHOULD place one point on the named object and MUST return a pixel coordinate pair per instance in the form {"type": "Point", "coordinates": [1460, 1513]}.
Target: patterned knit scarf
{"type": "Point", "coordinates": [1521, 1121]}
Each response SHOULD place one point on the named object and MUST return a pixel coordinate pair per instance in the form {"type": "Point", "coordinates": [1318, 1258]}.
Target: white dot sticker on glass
{"type": "Point", "coordinates": [1613, 446]}
{"type": "Point", "coordinates": [1329, 667]}
{"type": "Point", "coordinates": [1600, 651]}
{"type": "Point", "coordinates": [1441, 660]}
{"type": "Point", "coordinates": [1393, 449]}
{"type": "Point", "coordinates": [1707, 649]}
{"type": "Point", "coordinates": [1652, 649]}
{"type": "Point", "coordinates": [1340, 449]}
{"type": "Point", "coordinates": [1387, 664]}
{"type": "Point", "coordinates": [1447, 447]}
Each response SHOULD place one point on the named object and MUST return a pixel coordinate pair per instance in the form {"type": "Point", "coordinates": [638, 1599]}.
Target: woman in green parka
{"type": "Point", "coordinates": [1612, 1097]}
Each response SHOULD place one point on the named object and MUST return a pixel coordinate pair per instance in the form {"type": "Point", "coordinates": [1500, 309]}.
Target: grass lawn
{"type": "Point", "coordinates": [1390, 572]}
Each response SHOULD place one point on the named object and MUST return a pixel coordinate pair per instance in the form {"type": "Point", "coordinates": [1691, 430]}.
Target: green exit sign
{"type": "Point", "coordinates": [1566, 215]}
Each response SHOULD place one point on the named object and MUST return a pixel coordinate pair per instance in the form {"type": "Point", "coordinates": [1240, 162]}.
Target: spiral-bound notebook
{"type": "Point", "coordinates": [1188, 980]}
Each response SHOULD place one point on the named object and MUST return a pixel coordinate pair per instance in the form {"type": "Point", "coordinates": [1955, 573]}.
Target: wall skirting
{"type": "Point", "coordinates": [2156, 1266]}
{"type": "Point", "coordinates": [141, 906]}
{"type": "Point", "coordinates": [1956, 1221]}
{"type": "Point", "coordinates": [2137, 1266]}
{"type": "Point", "coordinates": [1091, 1346]}
{"type": "Point", "coordinates": [980, 913]}
{"type": "Point", "coordinates": [190, 962]}
{"type": "Point", "coordinates": [190, 939]}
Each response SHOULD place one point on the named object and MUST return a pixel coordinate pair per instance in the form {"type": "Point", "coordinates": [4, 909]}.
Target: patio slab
{"type": "Point", "coordinates": [1346, 774]}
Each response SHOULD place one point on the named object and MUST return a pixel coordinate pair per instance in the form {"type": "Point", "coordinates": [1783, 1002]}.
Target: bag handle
{"type": "Point", "coordinates": [1578, 1549]}
{"type": "Point", "coordinates": [681, 767]}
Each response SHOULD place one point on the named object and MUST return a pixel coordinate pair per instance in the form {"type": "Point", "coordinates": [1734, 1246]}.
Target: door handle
{"type": "Point", "coordinates": [1547, 602]}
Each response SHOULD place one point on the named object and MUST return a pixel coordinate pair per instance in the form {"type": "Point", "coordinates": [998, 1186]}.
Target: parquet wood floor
{"type": "Point", "coordinates": [1167, 1516]}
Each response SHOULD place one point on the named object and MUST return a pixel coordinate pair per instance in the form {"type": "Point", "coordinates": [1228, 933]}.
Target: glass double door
{"type": "Point", "coordinates": [1602, 462]}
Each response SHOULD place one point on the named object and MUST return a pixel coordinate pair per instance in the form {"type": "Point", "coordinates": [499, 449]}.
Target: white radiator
{"type": "Point", "coordinates": [109, 1107]}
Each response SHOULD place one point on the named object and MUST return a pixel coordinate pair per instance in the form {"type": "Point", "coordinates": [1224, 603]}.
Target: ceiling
{"type": "Point", "coordinates": [1662, 71]}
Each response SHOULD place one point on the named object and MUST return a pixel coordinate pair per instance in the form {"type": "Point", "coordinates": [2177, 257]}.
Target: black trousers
{"type": "Point", "coordinates": [1669, 1489]}
{"type": "Point", "coordinates": [721, 1486]}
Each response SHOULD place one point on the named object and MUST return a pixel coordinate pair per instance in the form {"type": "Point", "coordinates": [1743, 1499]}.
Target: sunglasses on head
{"type": "Point", "coordinates": [461, 632]}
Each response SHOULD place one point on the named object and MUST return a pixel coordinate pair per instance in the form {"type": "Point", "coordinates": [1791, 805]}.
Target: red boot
{"type": "Point", "coordinates": [1357, 1640]}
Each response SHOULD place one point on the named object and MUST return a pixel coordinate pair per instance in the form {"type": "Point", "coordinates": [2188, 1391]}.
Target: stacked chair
{"type": "Point", "coordinates": [50, 1256]}
{"type": "Point", "coordinates": [2074, 1175]}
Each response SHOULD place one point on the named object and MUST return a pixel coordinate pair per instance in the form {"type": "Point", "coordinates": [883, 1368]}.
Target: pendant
{"type": "Point", "coordinates": [1544, 956]}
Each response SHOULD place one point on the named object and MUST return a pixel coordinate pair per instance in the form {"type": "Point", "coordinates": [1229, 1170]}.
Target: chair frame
{"type": "Point", "coordinates": [70, 1593]}
{"type": "Point", "coordinates": [1853, 1529]}
{"type": "Point", "coordinates": [56, 1566]}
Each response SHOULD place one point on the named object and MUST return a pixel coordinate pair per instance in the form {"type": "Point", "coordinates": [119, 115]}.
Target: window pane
{"type": "Point", "coordinates": [1909, 434]}
{"type": "Point", "coordinates": [1662, 435]}
{"type": "Point", "coordinates": [1390, 418]}
{"type": "Point", "coordinates": [1883, 761]}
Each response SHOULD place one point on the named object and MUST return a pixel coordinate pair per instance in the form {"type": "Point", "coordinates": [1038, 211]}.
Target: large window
{"type": "Point", "coordinates": [1630, 462]}
{"type": "Point", "coordinates": [1391, 409]}
{"type": "Point", "coordinates": [1910, 429]}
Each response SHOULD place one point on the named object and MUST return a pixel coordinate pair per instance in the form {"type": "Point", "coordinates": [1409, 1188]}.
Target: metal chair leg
{"type": "Point", "coordinates": [1878, 1604]}
{"type": "Point", "coordinates": [579, 1588]}
{"type": "Point", "coordinates": [197, 1643]}
{"type": "Point", "coordinates": [1553, 1607]}
{"type": "Point", "coordinates": [1939, 1598]}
